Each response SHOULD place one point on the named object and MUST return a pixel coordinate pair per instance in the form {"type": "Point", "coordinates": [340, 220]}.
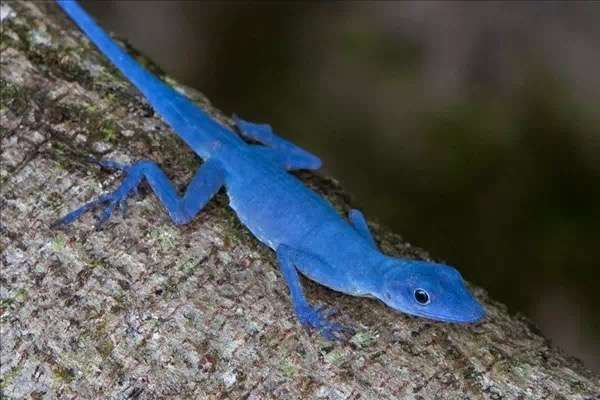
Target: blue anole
{"type": "Point", "coordinates": [305, 231]}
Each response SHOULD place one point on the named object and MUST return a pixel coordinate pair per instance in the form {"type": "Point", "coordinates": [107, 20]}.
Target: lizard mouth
{"type": "Point", "coordinates": [475, 314]}
{"type": "Point", "coordinates": [468, 315]}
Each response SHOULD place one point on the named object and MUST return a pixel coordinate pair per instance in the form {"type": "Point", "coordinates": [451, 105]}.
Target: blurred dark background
{"type": "Point", "coordinates": [473, 129]}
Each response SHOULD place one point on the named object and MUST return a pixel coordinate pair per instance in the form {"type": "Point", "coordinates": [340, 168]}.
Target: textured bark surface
{"type": "Point", "coordinates": [148, 310]}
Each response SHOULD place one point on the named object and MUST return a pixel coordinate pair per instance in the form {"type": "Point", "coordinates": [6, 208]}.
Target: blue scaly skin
{"type": "Point", "coordinates": [303, 229]}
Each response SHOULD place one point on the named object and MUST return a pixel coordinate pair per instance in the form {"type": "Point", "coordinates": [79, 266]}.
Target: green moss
{"type": "Point", "coordinates": [166, 236]}
{"type": "Point", "coordinates": [13, 97]}
{"type": "Point", "coordinates": [55, 201]}
{"type": "Point", "coordinates": [15, 34]}
{"type": "Point", "coordinates": [96, 263]}
{"type": "Point", "coordinates": [98, 126]}
{"type": "Point", "coordinates": [21, 295]}
{"type": "Point", "coordinates": [63, 373]}
{"type": "Point", "coordinates": [100, 328]}
{"type": "Point", "coordinates": [189, 265]}
{"type": "Point", "coordinates": [108, 134]}
{"type": "Point", "coordinates": [364, 339]}
{"type": "Point", "coordinates": [63, 63]}
{"type": "Point", "coordinates": [9, 376]}
{"type": "Point", "coordinates": [120, 305]}
{"type": "Point", "coordinates": [578, 386]}
{"type": "Point", "coordinates": [335, 356]}
{"type": "Point", "coordinates": [90, 108]}
{"type": "Point", "coordinates": [105, 347]}
{"type": "Point", "coordinates": [11, 303]}
{"type": "Point", "coordinates": [58, 243]}
{"type": "Point", "coordinates": [65, 157]}
{"type": "Point", "coordinates": [5, 303]}
{"type": "Point", "coordinates": [288, 369]}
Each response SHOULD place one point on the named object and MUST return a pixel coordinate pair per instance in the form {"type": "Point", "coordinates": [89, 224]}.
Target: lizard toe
{"type": "Point", "coordinates": [326, 312]}
{"type": "Point", "coordinates": [124, 207]}
{"type": "Point", "coordinates": [117, 199]}
{"type": "Point", "coordinates": [105, 214]}
{"type": "Point", "coordinates": [317, 318]}
{"type": "Point", "coordinates": [73, 215]}
{"type": "Point", "coordinates": [333, 331]}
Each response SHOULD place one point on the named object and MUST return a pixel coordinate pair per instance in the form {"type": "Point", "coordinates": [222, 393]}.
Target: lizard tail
{"type": "Point", "coordinates": [198, 129]}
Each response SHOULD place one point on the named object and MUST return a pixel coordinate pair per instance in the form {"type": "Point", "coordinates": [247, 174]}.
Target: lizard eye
{"type": "Point", "coordinates": [421, 296]}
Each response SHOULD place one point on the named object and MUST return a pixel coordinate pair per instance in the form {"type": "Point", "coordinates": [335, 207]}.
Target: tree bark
{"type": "Point", "coordinates": [148, 310]}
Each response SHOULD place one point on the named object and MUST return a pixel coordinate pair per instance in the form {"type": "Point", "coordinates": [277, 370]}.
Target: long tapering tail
{"type": "Point", "coordinates": [189, 121]}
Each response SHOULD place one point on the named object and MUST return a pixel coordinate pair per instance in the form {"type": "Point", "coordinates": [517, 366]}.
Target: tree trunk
{"type": "Point", "coordinates": [145, 309]}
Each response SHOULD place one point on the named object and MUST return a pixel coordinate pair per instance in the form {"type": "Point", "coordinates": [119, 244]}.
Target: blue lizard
{"type": "Point", "coordinates": [304, 230]}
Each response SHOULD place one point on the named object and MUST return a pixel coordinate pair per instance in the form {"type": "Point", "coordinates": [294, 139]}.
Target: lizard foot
{"type": "Point", "coordinates": [317, 318]}
{"type": "Point", "coordinates": [116, 199]}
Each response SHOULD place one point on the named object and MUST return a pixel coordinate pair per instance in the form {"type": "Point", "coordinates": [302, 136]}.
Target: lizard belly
{"type": "Point", "coordinates": [276, 208]}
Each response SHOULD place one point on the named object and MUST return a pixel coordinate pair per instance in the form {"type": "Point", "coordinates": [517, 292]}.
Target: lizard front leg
{"type": "Point", "coordinates": [308, 315]}
{"type": "Point", "coordinates": [205, 183]}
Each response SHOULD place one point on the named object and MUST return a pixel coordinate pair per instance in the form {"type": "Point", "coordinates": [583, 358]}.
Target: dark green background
{"type": "Point", "coordinates": [471, 129]}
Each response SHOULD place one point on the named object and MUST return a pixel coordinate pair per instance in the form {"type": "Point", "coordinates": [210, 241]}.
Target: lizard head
{"type": "Point", "coordinates": [429, 290]}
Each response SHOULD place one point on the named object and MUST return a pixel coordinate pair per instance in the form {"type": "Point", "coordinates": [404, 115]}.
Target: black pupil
{"type": "Point", "coordinates": [421, 296]}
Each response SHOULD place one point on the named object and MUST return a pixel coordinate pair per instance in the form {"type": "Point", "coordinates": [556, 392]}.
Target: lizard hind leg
{"type": "Point", "coordinates": [201, 189]}
{"type": "Point", "coordinates": [358, 221]}
{"type": "Point", "coordinates": [294, 156]}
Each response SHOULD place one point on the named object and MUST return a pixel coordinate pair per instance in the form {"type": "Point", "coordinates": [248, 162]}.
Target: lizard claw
{"type": "Point", "coordinates": [325, 311]}
{"type": "Point", "coordinates": [116, 199]}
{"type": "Point", "coordinates": [106, 214]}
{"type": "Point", "coordinates": [316, 317]}
{"type": "Point", "coordinates": [73, 215]}
{"type": "Point", "coordinates": [124, 207]}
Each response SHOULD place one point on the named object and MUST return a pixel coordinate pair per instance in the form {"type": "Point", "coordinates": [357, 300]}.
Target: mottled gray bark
{"type": "Point", "coordinates": [145, 309]}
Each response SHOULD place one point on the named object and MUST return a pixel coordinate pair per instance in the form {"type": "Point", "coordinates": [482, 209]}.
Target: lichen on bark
{"type": "Point", "coordinates": [145, 309]}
